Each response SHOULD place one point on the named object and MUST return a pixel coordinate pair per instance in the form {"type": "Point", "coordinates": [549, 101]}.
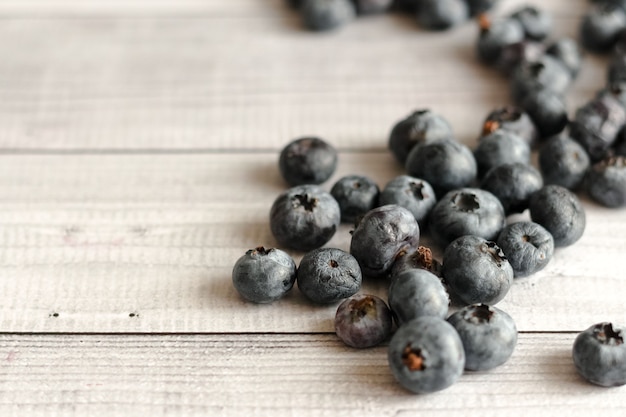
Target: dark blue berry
{"type": "Point", "coordinates": [372, 6]}
{"type": "Point", "coordinates": [499, 148]}
{"type": "Point", "coordinates": [546, 73]}
{"type": "Point", "coordinates": [307, 161]}
{"type": "Point", "coordinates": [606, 182]}
{"type": "Point", "coordinates": [563, 161]}
{"type": "Point", "coordinates": [489, 335]}
{"type": "Point", "coordinates": [412, 193]}
{"type": "Point", "coordinates": [477, 7]}
{"type": "Point", "coordinates": [527, 246]}
{"type": "Point", "coordinates": [445, 164]}
{"type": "Point", "coordinates": [415, 293]}
{"type": "Point", "coordinates": [516, 54]}
{"type": "Point", "coordinates": [597, 124]}
{"type": "Point", "coordinates": [566, 50]}
{"type": "Point", "coordinates": [356, 195]}
{"type": "Point", "coordinates": [363, 321]}
{"type": "Point", "coordinates": [560, 212]}
{"type": "Point", "coordinates": [381, 236]}
{"type": "Point", "coordinates": [467, 211]}
{"type": "Point", "coordinates": [477, 270]}
{"type": "Point", "coordinates": [321, 15]}
{"type": "Point", "coordinates": [513, 184]}
{"type": "Point", "coordinates": [264, 275]}
{"type": "Point", "coordinates": [601, 27]}
{"type": "Point", "coordinates": [537, 23]}
{"type": "Point", "coordinates": [548, 111]}
{"type": "Point", "coordinates": [327, 275]}
{"type": "Point", "coordinates": [599, 354]}
{"type": "Point", "coordinates": [512, 119]}
{"type": "Point", "coordinates": [304, 217]}
{"type": "Point", "coordinates": [419, 127]}
{"type": "Point", "coordinates": [495, 36]}
{"type": "Point", "coordinates": [442, 14]}
{"type": "Point", "coordinates": [426, 355]}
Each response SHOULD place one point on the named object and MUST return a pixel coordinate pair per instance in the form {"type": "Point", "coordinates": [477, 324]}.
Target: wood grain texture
{"type": "Point", "coordinates": [95, 239]}
{"type": "Point", "coordinates": [303, 375]}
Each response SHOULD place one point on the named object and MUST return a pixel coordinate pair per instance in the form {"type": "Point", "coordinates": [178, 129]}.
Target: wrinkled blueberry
{"type": "Point", "coordinates": [527, 246]}
{"type": "Point", "coordinates": [606, 181]}
{"type": "Point", "coordinates": [415, 293]}
{"type": "Point", "coordinates": [563, 161]}
{"type": "Point", "coordinates": [445, 164]}
{"type": "Point", "coordinates": [419, 127]}
{"type": "Point", "coordinates": [548, 111]}
{"type": "Point", "coordinates": [599, 354]}
{"type": "Point", "coordinates": [321, 15]}
{"type": "Point", "coordinates": [499, 148]}
{"type": "Point", "coordinates": [560, 212]}
{"type": "Point", "coordinates": [513, 184]}
{"type": "Point", "coordinates": [307, 161]}
{"type": "Point", "coordinates": [327, 275]}
{"type": "Point", "coordinates": [356, 195]}
{"type": "Point", "coordinates": [426, 355]}
{"type": "Point", "coordinates": [412, 193]}
{"type": "Point", "coordinates": [380, 236]}
{"type": "Point", "coordinates": [601, 27]}
{"type": "Point", "coordinates": [467, 211]}
{"type": "Point", "coordinates": [477, 270]}
{"type": "Point", "coordinates": [489, 335]}
{"type": "Point", "coordinates": [304, 217]}
{"type": "Point", "coordinates": [422, 258]}
{"type": "Point", "coordinates": [537, 23]}
{"type": "Point", "coordinates": [512, 119]}
{"type": "Point", "coordinates": [363, 321]}
{"type": "Point", "coordinates": [442, 14]}
{"type": "Point", "coordinates": [264, 275]}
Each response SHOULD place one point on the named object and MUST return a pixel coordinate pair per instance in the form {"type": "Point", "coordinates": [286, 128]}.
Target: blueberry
{"type": "Point", "coordinates": [619, 146]}
{"type": "Point", "coordinates": [322, 15]}
{"type": "Point", "coordinates": [548, 111]}
{"type": "Point", "coordinates": [264, 275]}
{"type": "Point", "coordinates": [515, 54]}
{"type": "Point", "coordinates": [412, 193]}
{"type": "Point", "coordinates": [537, 23]}
{"type": "Point", "coordinates": [442, 14]}
{"type": "Point", "coordinates": [381, 235]}
{"type": "Point", "coordinates": [422, 258]}
{"type": "Point", "coordinates": [606, 182]}
{"type": "Point", "coordinates": [419, 127]}
{"type": "Point", "coordinates": [527, 246]}
{"type": "Point", "coordinates": [597, 124]}
{"type": "Point", "coordinates": [513, 184]}
{"type": "Point", "coordinates": [566, 50]}
{"type": "Point", "coordinates": [496, 35]}
{"type": "Point", "coordinates": [512, 119]}
{"type": "Point", "coordinates": [372, 6]}
{"type": "Point", "coordinates": [467, 211]}
{"type": "Point", "coordinates": [363, 321]}
{"type": "Point", "coordinates": [477, 270]}
{"type": "Point", "coordinates": [327, 275]}
{"type": "Point", "coordinates": [601, 27]}
{"type": "Point", "coordinates": [477, 7]}
{"type": "Point", "coordinates": [599, 354]}
{"type": "Point", "coordinates": [560, 212]}
{"type": "Point", "coordinates": [546, 73]}
{"type": "Point", "coordinates": [307, 161]}
{"type": "Point", "coordinates": [489, 336]}
{"type": "Point", "coordinates": [498, 148]}
{"type": "Point", "coordinates": [563, 161]}
{"type": "Point", "coordinates": [426, 355]}
{"type": "Point", "coordinates": [415, 293]}
{"type": "Point", "coordinates": [304, 217]}
{"type": "Point", "coordinates": [356, 195]}
{"type": "Point", "coordinates": [445, 164]}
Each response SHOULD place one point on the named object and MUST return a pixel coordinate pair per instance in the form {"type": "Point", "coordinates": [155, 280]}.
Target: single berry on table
{"type": "Point", "coordinates": [599, 354]}
{"type": "Point", "coordinates": [606, 182]}
{"type": "Point", "coordinates": [513, 184]}
{"type": "Point", "coordinates": [415, 293]}
{"type": "Point", "coordinates": [560, 212]}
{"type": "Point", "coordinates": [307, 160]}
{"type": "Point", "coordinates": [528, 247]}
{"type": "Point", "coordinates": [412, 193]}
{"type": "Point", "coordinates": [356, 195]}
{"type": "Point", "coordinates": [563, 161]}
{"type": "Point", "coordinates": [363, 321]}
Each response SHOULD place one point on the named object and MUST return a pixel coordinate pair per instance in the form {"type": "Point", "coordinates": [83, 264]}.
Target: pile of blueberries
{"type": "Point", "coordinates": [462, 198]}
{"type": "Point", "coordinates": [323, 15]}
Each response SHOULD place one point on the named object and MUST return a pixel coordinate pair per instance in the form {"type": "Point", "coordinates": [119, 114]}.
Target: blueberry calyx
{"type": "Point", "coordinates": [259, 250]}
{"type": "Point", "coordinates": [606, 335]}
{"type": "Point", "coordinates": [490, 126]}
{"type": "Point", "coordinates": [484, 23]}
{"type": "Point", "coordinates": [480, 313]}
{"type": "Point", "coordinates": [494, 250]}
{"type": "Point", "coordinates": [362, 308]}
{"type": "Point", "coordinates": [304, 200]}
{"type": "Point", "coordinates": [333, 263]}
{"type": "Point", "coordinates": [466, 202]}
{"type": "Point", "coordinates": [413, 359]}
{"type": "Point", "coordinates": [417, 189]}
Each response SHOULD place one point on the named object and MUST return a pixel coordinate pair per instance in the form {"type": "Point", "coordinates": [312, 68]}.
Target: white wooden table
{"type": "Point", "coordinates": [138, 160]}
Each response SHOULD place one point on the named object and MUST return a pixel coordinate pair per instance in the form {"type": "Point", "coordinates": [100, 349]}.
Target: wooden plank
{"type": "Point", "coordinates": [240, 82]}
{"type": "Point", "coordinates": [146, 243]}
{"type": "Point", "coordinates": [304, 375]}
